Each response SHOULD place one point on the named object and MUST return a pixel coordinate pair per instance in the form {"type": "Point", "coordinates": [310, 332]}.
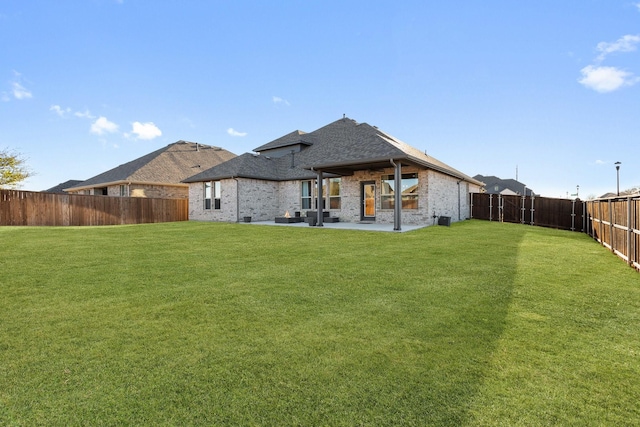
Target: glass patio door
{"type": "Point", "coordinates": [368, 201]}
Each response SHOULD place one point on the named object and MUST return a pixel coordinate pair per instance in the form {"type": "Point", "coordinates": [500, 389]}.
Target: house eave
{"type": "Point", "coordinates": [347, 167]}
{"type": "Point", "coordinates": [455, 174]}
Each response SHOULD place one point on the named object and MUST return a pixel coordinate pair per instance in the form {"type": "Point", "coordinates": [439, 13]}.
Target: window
{"type": "Point", "coordinates": [216, 194]}
{"type": "Point", "coordinates": [409, 188]}
{"type": "Point", "coordinates": [212, 192]}
{"type": "Point", "coordinates": [334, 193]}
{"type": "Point", "coordinates": [207, 195]}
{"type": "Point", "coordinates": [306, 194]}
{"type": "Point", "coordinates": [331, 186]}
{"type": "Point", "coordinates": [123, 191]}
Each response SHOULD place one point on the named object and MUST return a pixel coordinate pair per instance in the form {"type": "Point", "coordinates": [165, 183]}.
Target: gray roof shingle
{"type": "Point", "coordinates": [490, 181]}
{"type": "Point", "coordinates": [254, 166]}
{"type": "Point", "coordinates": [170, 164]}
{"type": "Point", "coordinates": [60, 187]}
{"type": "Point", "coordinates": [336, 148]}
{"type": "Point", "coordinates": [295, 137]}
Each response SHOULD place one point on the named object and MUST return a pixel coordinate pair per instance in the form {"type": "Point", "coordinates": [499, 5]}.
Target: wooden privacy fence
{"type": "Point", "coordinates": [615, 223]}
{"type": "Point", "coordinates": [564, 214]}
{"type": "Point", "coordinates": [33, 208]}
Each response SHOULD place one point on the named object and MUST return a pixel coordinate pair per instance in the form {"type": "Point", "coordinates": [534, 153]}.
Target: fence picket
{"type": "Point", "coordinates": [51, 209]}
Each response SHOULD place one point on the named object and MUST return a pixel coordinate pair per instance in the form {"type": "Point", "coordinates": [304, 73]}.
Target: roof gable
{"type": "Point", "coordinates": [294, 138]}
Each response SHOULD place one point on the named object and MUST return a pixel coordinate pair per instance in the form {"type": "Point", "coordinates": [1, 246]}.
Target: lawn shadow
{"type": "Point", "coordinates": [398, 329]}
{"type": "Point", "coordinates": [470, 272]}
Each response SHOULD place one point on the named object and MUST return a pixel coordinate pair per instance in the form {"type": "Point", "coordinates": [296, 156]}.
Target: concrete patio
{"type": "Point", "coordinates": [366, 226]}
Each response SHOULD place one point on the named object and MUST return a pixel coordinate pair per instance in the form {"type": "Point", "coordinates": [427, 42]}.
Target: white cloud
{"type": "Point", "coordinates": [84, 114]}
{"type": "Point", "coordinates": [278, 100]}
{"type": "Point", "coordinates": [62, 112]}
{"type": "Point", "coordinates": [102, 126]}
{"type": "Point", "coordinates": [20, 92]}
{"type": "Point", "coordinates": [17, 89]}
{"type": "Point", "coordinates": [606, 79]}
{"type": "Point", "coordinates": [627, 43]}
{"type": "Point", "coordinates": [146, 131]}
{"type": "Point", "coordinates": [234, 132]}
{"type": "Point", "coordinates": [600, 162]}
{"type": "Point", "coordinates": [638, 6]}
{"type": "Point", "coordinates": [65, 112]}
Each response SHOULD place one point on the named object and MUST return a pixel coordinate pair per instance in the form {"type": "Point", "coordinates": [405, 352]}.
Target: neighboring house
{"type": "Point", "coordinates": [632, 192]}
{"type": "Point", "coordinates": [60, 187]}
{"type": "Point", "coordinates": [354, 166]}
{"type": "Point", "coordinates": [158, 174]}
{"type": "Point", "coordinates": [506, 187]}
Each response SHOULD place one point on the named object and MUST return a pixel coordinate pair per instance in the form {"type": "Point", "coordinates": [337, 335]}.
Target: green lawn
{"type": "Point", "coordinates": [232, 324]}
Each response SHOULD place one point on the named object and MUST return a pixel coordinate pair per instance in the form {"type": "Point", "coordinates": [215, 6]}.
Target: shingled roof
{"type": "Point", "coordinates": [338, 148]}
{"type": "Point", "coordinates": [168, 165]}
{"type": "Point", "coordinates": [254, 166]}
{"type": "Point", "coordinates": [60, 187]}
{"type": "Point", "coordinates": [293, 138]}
{"type": "Point", "coordinates": [491, 181]}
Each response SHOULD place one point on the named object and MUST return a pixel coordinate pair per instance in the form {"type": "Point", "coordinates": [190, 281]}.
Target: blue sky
{"type": "Point", "coordinates": [550, 87]}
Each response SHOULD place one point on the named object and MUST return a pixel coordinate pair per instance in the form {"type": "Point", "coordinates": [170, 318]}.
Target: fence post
{"type": "Point", "coordinates": [500, 208]}
{"type": "Point", "coordinates": [573, 215]}
{"type": "Point", "coordinates": [629, 232]}
{"type": "Point", "coordinates": [522, 209]}
{"type": "Point", "coordinates": [589, 224]}
{"type": "Point", "coordinates": [490, 207]}
{"type": "Point", "coordinates": [600, 221]}
{"type": "Point", "coordinates": [532, 209]}
{"type": "Point", "coordinates": [611, 229]}
{"type": "Point", "coordinates": [636, 228]}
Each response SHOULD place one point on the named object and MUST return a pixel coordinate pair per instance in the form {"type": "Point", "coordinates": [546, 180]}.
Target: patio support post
{"type": "Point", "coordinates": [397, 195]}
{"type": "Point", "coordinates": [320, 201]}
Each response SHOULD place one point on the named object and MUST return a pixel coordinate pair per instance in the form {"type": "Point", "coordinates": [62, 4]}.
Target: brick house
{"type": "Point", "coordinates": [354, 166]}
{"type": "Point", "coordinates": [158, 174]}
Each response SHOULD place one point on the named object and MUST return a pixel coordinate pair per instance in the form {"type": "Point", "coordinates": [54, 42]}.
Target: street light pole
{"type": "Point", "coordinates": [618, 176]}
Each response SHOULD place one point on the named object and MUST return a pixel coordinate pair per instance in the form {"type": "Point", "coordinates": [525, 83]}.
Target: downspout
{"type": "Point", "coordinates": [459, 207]}
{"type": "Point", "coordinates": [397, 196]}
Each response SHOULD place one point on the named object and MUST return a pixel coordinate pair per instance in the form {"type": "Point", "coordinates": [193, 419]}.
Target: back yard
{"type": "Point", "coordinates": [229, 324]}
